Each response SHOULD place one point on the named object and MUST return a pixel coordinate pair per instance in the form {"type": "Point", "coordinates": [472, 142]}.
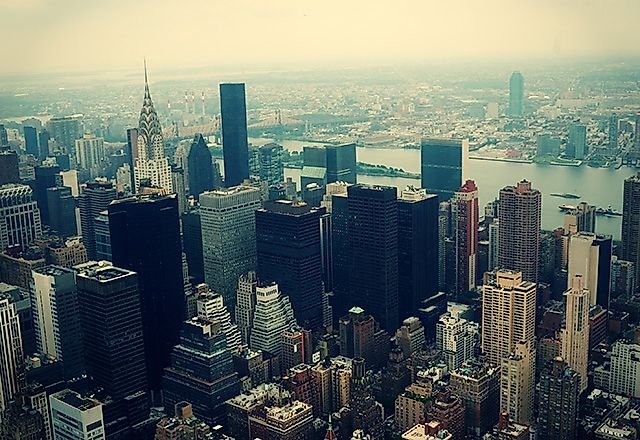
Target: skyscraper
{"type": "Point", "coordinates": [201, 371]}
{"type": "Point", "coordinates": [145, 238]}
{"type": "Point", "coordinates": [47, 176]}
{"type": "Point", "coordinates": [636, 137]}
{"type": "Point", "coordinates": [111, 319]}
{"type": "Point", "coordinates": [444, 163]}
{"type": "Point", "coordinates": [228, 223]}
{"type": "Point", "coordinates": [151, 163]}
{"type": "Point", "coordinates": [19, 216]}
{"type": "Point", "coordinates": [9, 171]}
{"type": "Point", "coordinates": [519, 230]}
{"type": "Point", "coordinates": [56, 318]}
{"type": "Point", "coordinates": [465, 211]}
{"type": "Point", "coordinates": [233, 109]}
{"type": "Point", "coordinates": [575, 335]}
{"type": "Point", "coordinates": [270, 165]}
{"type": "Point", "coordinates": [62, 211]}
{"type": "Point", "coordinates": [516, 94]}
{"type": "Point", "coordinates": [508, 313]}
{"type": "Point", "coordinates": [625, 368]}
{"type": "Point", "coordinates": [456, 338]}
{"type": "Point", "coordinates": [558, 405]}
{"type": "Point", "coordinates": [417, 249]}
{"type": "Point", "coordinates": [65, 130]}
{"type": "Point", "coordinates": [590, 256]}
{"type": "Point", "coordinates": [373, 251]}
{"type": "Point", "coordinates": [31, 141]}
{"type": "Point", "coordinates": [272, 316]}
{"type": "Point", "coordinates": [132, 151]}
{"type": "Point", "coordinates": [613, 131]}
{"type": "Point", "coordinates": [577, 142]}
{"type": "Point", "coordinates": [94, 199]}
{"type": "Point", "coordinates": [211, 306]}
{"type": "Point", "coordinates": [4, 139]}
{"type": "Point", "coordinates": [341, 163]}
{"type": "Point", "coordinates": [580, 219]}
{"type": "Point", "coordinates": [11, 354]}
{"type": "Point", "coordinates": [43, 142]}
{"type": "Point", "coordinates": [90, 154]}
{"type": "Point", "coordinates": [192, 244]}
{"type": "Point", "coordinates": [517, 383]}
{"type": "Point", "coordinates": [631, 218]}
{"type": "Point", "coordinates": [288, 253]}
{"type": "Point", "coordinates": [200, 167]}
{"type": "Point", "coordinates": [246, 304]}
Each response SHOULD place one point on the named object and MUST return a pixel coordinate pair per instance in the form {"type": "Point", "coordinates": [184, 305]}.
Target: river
{"type": "Point", "coordinates": [598, 186]}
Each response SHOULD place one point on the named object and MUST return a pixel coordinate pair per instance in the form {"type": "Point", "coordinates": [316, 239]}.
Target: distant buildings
{"type": "Point", "coordinates": [31, 141]}
{"type": "Point", "coordinates": [90, 154]}
{"type": "Point", "coordinates": [234, 133]}
{"type": "Point", "coordinates": [516, 94]}
{"type": "Point", "coordinates": [613, 131]}
{"type": "Point", "coordinates": [577, 142]}
{"type": "Point", "coordinates": [329, 164]}
{"type": "Point", "coordinates": [65, 130]}
{"type": "Point", "coordinates": [631, 217]}
{"type": "Point", "coordinates": [519, 229]}
{"type": "Point", "coordinates": [265, 162]}
{"type": "Point", "coordinates": [443, 166]}
{"type": "Point", "coordinates": [200, 167]}
{"type": "Point", "coordinates": [228, 224]}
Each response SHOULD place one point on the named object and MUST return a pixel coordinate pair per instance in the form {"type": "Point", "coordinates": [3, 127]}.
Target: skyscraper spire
{"type": "Point", "coordinates": [146, 82]}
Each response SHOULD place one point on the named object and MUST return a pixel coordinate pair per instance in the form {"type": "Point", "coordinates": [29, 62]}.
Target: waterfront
{"type": "Point", "coordinates": [598, 186]}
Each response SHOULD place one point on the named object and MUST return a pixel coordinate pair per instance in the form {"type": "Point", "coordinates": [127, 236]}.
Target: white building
{"type": "Point", "coordinates": [456, 338]}
{"type": "Point", "coordinates": [625, 369]}
{"type": "Point", "coordinates": [585, 256]}
{"type": "Point", "coordinates": [575, 335]}
{"type": "Point", "coordinates": [10, 347]}
{"type": "Point", "coordinates": [273, 315]}
{"type": "Point", "coordinates": [228, 223]}
{"type": "Point", "coordinates": [75, 417]}
{"type": "Point", "coordinates": [246, 304]}
{"type": "Point", "coordinates": [19, 216]}
{"type": "Point", "coordinates": [211, 306]}
{"type": "Point", "coordinates": [90, 154]}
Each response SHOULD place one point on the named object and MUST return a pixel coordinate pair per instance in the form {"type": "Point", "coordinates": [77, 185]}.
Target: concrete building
{"type": "Point", "coordinates": [410, 336]}
{"type": "Point", "coordinates": [11, 353]}
{"type": "Point", "coordinates": [590, 256]}
{"type": "Point", "coordinates": [558, 402]}
{"type": "Point", "coordinates": [427, 431]}
{"type": "Point", "coordinates": [508, 313]}
{"type": "Point", "coordinates": [517, 383]}
{"type": "Point", "coordinates": [19, 216]}
{"type": "Point", "coordinates": [228, 225]}
{"type": "Point", "coordinates": [240, 407]}
{"type": "Point", "coordinates": [411, 406]}
{"type": "Point", "coordinates": [90, 154]}
{"type": "Point", "coordinates": [519, 230]}
{"type": "Point", "coordinates": [290, 421]}
{"type": "Point", "coordinates": [56, 319]}
{"type": "Point", "coordinates": [211, 306]}
{"type": "Point", "coordinates": [575, 335]}
{"type": "Point", "coordinates": [273, 315]}
{"type": "Point", "coordinates": [625, 369]}
{"type": "Point", "coordinates": [456, 338]}
{"type": "Point", "coordinates": [465, 211]}
{"type": "Point", "coordinates": [623, 277]}
{"type": "Point", "coordinates": [75, 417]}
{"type": "Point", "coordinates": [631, 217]}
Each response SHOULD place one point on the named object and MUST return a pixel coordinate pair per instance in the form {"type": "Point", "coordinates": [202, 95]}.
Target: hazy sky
{"type": "Point", "coordinates": [68, 35]}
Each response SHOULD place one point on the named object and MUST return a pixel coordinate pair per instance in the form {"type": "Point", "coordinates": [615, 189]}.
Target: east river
{"type": "Point", "coordinates": [597, 186]}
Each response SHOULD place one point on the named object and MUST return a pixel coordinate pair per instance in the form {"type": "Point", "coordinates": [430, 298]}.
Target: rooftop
{"type": "Point", "coordinates": [75, 400]}
{"type": "Point", "coordinates": [102, 271]}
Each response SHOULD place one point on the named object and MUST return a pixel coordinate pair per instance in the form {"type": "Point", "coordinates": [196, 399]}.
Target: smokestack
{"type": "Point", "coordinates": [202, 103]}
{"type": "Point", "coordinates": [186, 102]}
{"type": "Point", "coordinates": [193, 102]}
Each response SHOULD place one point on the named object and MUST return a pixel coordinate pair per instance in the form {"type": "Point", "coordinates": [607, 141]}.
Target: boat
{"type": "Point", "coordinates": [609, 211]}
{"type": "Point", "coordinates": [566, 195]}
{"type": "Point", "coordinates": [564, 207]}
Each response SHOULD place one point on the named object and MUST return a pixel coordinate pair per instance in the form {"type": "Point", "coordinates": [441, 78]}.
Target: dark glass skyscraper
{"type": "Point", "coordinates": [31, 141]}
{"type": "Point", "coordinates": [341, 163]}
{"type": "Point", "coordinates": [200, 167]}
{"type": "Point", "coordinates": [516, 94]}
{"type": "Point", "coordinates": [61, 206]}
{"type": "Point", "coordinates": [113, 341]}
{"type": "Point", "coordinates": [192, 245]}
{"type": "Point", "coordinates": [233, 109]}
{"type": "Point", "coordinates": [201, 371]}
{"type": "Point", "coordinates": [373, 251]}
{"type": "Point", "coordinates": [46, 177]}
{"type": "Point", "coordinates": [417, 249]}
{"type": "Point", "coordinates": [43, 143]}
{"type": "Point", "coordinates": [631, 222]}
{"type": "Point", "coordinates": [9, 171]}
{"type": "Point", "coordinates": [145, 238]}
{"type": "Point", "coordinates": [289, 253]}
{"type": "Point", "coordinates": [443, 166]}
{"type": "Point", "coordinates": [94, 199]}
